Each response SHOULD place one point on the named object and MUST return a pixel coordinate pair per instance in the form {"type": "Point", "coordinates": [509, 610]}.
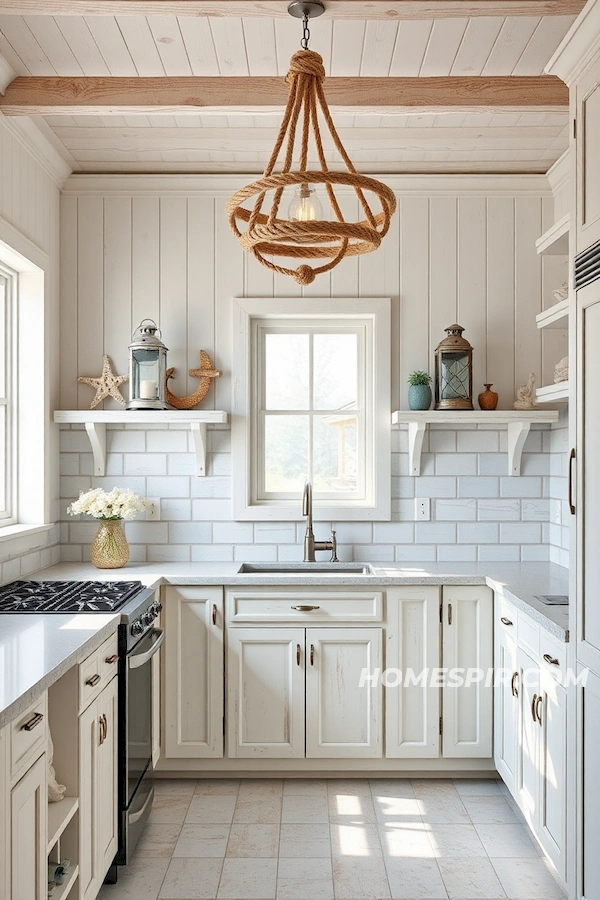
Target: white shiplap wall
{"type": "Point", "coordinates": [29, 208]}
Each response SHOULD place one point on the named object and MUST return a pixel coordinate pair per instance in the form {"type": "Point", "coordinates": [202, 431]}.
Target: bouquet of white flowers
{"type": "Point", "coordinates": [111, 505]}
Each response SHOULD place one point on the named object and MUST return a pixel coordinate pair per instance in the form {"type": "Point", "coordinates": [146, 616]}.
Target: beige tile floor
{"type": "Point", "coordinates": [390, 839]}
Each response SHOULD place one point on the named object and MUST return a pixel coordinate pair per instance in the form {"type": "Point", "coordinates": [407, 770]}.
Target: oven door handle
{"type": "Point", "coordinates": [140, 659]}
{"type": "Point", "coordinates": [135, 817]}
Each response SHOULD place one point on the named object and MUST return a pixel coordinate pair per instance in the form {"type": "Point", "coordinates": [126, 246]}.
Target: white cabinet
{"type": "Point", "coordinates": [4, 814]}
{"type": "Point", "coordinates": [588, 859]}
{"type": "Point", "coordinates": [467, 645]}
{"type": "Point", "coordinates": [587, 98]}
{"type": "Point", "coordinates": [552, 719]}
{"type": "Point", "coordinates": [193, 665]}
{"type": "Point", "coordinates": [28, 829]}
{"type": "Point", "coordinates": [343, 708]}
{"type": "Point", "coordinates": [412, 708]}
{"type": "Point", "coordinates": [506, 708]}
{"type": "Point", "coordinates": [295, 692]}
{"type": "Point", "coordinates": [266, 692]}
{"type": "Point", "coordinates": [528, 747]}
{"type": "Point", "coordinates": [98, 756]}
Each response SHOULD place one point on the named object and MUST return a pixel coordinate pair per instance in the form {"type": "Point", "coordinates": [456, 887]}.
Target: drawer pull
{"type": "Point", "coordinates": [104, 719]}
{"type": "Point", "coordinates": [305, 608]}
{"type": "Point", "coordinates": [312, 654]}
{"type": "Point", "coordinates": [297, 654]}
{"type": "Point", "coordinates": [533, 704]}
{"type": "Point", "coordinates": [449, 614]}
{"type": "Point", "coordinates": [214, 614]}
{"type": "Point", "coordinates": [111, 659]}
{"type": "Point", "coordinates": [93, 680]}
{"type": "Point", "coordinates": [572, 458]}
{"type": "Point", "coordinates": [33, 722]}
{"type": "Point", "coordinates": [513, 684]}
{"type": "Point", "coordinates": [551, 660]}
{"type": "Point", "coordinates": [101, 732]}
{"type": "Point", "coordinates": [537, 709]}
{"type": "Point", "coordinates": [505, 621]}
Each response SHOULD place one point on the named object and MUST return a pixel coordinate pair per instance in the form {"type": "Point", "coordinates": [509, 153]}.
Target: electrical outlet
{"type": "Point", "coordinates": [557, 512]}
{"type": "Point", "coordinates": [423, 509]}
{"type": "Point", "coordinates": [153, 509]}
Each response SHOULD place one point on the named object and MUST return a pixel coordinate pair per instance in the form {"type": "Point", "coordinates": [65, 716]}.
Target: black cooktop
{"type": "Point", "coordinates": [66, 596]}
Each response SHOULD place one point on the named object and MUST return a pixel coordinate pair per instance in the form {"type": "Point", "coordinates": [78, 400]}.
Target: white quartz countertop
{"type": "Point", "coordinates": [36, 649]}
{"type": "Point", "coordinates": [519, 582]}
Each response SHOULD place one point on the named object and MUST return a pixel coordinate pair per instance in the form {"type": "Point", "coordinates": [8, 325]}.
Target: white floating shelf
{"type": "Point", "coordinates": [59, 816]}
{"type": "Point", "coordinates": [555, 316]}
{"type": "Point", "coordinates": [555, 241]}
{"type": "Point", "coordinates": [96, 420]}
{"type": "Point", "coordinates": [63, 890]}
{"type": "Point", "coordinates": [518, 423]}
{"type": "Point", "coordinates": [553, 393]}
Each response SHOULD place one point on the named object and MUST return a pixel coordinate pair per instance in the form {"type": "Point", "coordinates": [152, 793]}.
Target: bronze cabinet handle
{"type": "Point", "coordinates": [505, 621]}
{"type": "Point", "coordinates": [298, 654]}
{"type": "Point", "coordinates": [513, 684]}
{"type": "Point", "coordinates": [538, 704]}
{"type": "Point", "coordinates": [101, 735]}
{"type": "Point", "coordinates": [93, 680]}
{"type": "Point", "coordinates": [533, 703]}
{"type": "Point", "coordinates": [33, 722]}
{"type": "Point", "coordinates": [572, 457]}
{"type": "Point", "coordinates": [551, 660]}
{"type": "Point", "coordinates": [214, 614]}
{"type": "Point", "coordinates": [111, 659]}
{"type": "Point", "coordinates": [312, 654]}
{"type": "Point", "coordinates": [449, 614]}
{"type": "Point", "coordinates": [105, 720]}
{"type": "Point", "coordinates": [305, 608]}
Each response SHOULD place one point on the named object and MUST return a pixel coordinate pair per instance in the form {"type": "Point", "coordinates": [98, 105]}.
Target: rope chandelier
{"type": "Point", "coordinates": [305, 234]}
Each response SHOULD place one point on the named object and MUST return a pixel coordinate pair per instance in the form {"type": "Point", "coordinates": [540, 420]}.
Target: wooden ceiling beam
{"type": "Point", "coordinates": [388, 10]}
{"type": "Point", "coordinates": [34, 96]}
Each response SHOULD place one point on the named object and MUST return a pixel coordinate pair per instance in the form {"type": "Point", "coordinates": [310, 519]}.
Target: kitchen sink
{"type": "Point", "coordinates": [332, 569]}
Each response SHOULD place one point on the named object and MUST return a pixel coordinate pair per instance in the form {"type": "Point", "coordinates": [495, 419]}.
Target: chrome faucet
{"type": "Point", "coordinates": [310, 545]}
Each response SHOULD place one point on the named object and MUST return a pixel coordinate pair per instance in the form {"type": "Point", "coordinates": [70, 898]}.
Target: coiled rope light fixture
{"type": "Point", "coordinates": [305, 234]}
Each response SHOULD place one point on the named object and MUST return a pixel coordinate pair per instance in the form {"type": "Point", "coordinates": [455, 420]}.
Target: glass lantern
{"type": "Point", "coordinates": [454, 371]}
{"type": "Point", "coordinates": [147, 368]}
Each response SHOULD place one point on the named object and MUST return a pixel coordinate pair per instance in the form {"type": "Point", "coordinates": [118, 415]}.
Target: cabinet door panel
{"type": "Point", "coordinates": [28, 828]}
{"type": "Point", "coordinates": [588, 862]}
{"type": "Point", "coordinates": [506, 709]}
{"type": "Point", "coordinates": [343, 719]}
{"type": "Point", "coordinates": [553, 771]}
{"type": "Point", "coordinates": [193, 711]}
{"type": "Point", "coordinates": [89, 741]}
{"type": "Point", "coordinates": [467, 644]}
{"type": "Point", "coordinates": [107, 762]}
{"type": "Point", "coordinates": [528, 777]}
{"type": "Point", "coordinates": [265, 671]}
{"type": "Point", "coordinates": [588, 175]}
{"type": "Point", "coordinates": [412, 710]}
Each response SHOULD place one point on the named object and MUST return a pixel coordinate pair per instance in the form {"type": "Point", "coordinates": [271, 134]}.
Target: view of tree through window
{"type": "Point", "coordinates": [311, 409]}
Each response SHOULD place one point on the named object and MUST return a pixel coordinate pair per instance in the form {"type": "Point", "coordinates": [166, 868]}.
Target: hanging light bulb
{"type": "Point", "coordinates": [305, 205]}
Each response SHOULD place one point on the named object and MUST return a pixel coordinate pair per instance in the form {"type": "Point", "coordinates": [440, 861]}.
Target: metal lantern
{"type": "Point", "coordinates": [454, 371]}
{"type": "Point", "coordinates": [147, 368]}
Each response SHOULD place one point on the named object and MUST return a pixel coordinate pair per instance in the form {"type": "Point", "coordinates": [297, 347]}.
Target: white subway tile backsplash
{"type": "Point", "coordinates": [477, 533]}
{"type": "Point", "coordinates": [167, 442]}
{"type": "Point", "coordinates": [145, 464]}
{"type": "Point", "coordinates": [165, 486]}
{"type": "Point", "coordinates": [415, 553]}
{"type": "Point", "coordinates": [233, 533]}
{"type": "Point", "coordinates": [190, 533]}
{"type": "Point", "coordinates": [498, 553]}
{"type": "Point", "coordinates": [535, 510]}
{"type": "Point", "coordinates": [455, 510]}
{"type": "Point", "coordinates": [478, 487]}
{"type": "Point", "coordinates": [442, 442]}
{"type": "Point", "coordinates": [403, 486]}
{"type": "Point", "coordinates": [456, 464]}
{"type": "Point", "coordinates": [275, 532]}
{"type": "Point", "coordinates": [520, 533]}
{"type": "Point", "coordinates": [536, 464]}
{"type": "Point", "coordinates": [457, 553]}
{"type": "Point", "coordinates": [69, 464]}
{"type": "Point", "coordinates": [140, 532]}
{"type": "Point", "coordinates": [477, 441]}
{"type": "Point", "coordinates": [127, 441]}
{"type": "Point", "coordinates": [515, 486]}
{"type": "Point", "coordinates": [392, 533]}
{"type": "Point", "coordinates": [181, 464]}
{"type": "Point", "coordinates": [168, 552]}
{"type": "Point", "coordinates": [536, 553]}
{"type": "Point", "coordinates": [435, 532]}
{"type": "Point", "coordinates": [218, 487]}
{"type": "Point", "coordinates": [374, 552]}
{"type": "Point", "coordinates": [255, 553]}
{"type": "Point", "coordinates": [173, 510]}
{"type": "Point", "coordinates": [212, 553]}
{"type": "Point", "coordinates": [435, 487]}
{"type": "Point", "coordinates": [210, 510]}
{"type": "Point", "coordinates": [492, 464]}
{"type": "Point", "coordinates": [492, 510]}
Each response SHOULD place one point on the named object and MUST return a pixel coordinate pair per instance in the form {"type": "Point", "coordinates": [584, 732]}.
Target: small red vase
{"type": "Point", "coordinates": [488, 399]}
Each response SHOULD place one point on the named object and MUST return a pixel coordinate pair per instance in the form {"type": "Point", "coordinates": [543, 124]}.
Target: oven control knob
{"type": "Point", "coordinates": [157, 607]}
{"type": "Point", "coordinates": [148, 617]}
{"type": "Point", "coordinates": [137, 627]}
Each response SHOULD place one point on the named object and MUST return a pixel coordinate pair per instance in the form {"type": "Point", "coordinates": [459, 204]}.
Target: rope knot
{"type": "Point", "coordinates": [306, 62]}
{"type": "Point", "coordinates": [304, 275]}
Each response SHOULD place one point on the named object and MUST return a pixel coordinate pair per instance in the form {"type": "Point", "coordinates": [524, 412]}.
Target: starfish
{"type": "Point", "coordinates": [107, 384]}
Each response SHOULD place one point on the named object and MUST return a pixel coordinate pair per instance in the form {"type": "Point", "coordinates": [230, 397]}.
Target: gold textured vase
{"type": "Point", "coordinates": [109, 549]}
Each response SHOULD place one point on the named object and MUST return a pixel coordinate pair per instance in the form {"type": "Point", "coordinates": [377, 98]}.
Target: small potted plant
{"type": "Point", "coordinates": [109, 549]}
{"type": "Point", "coordinates": [419, 391]}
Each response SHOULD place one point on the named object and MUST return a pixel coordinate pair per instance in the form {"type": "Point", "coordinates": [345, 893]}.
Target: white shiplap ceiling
{"type": "Point", "coordinates": [230, 46]}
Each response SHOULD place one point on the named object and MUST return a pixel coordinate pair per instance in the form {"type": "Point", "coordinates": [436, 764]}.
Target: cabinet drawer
{"type": "Point", "coordinates": [96, 671]}
{"type": "Point", "coordinates": [553, 655]}
{"type": "Point", "coordinates": [318, 606]}
{"type": "Point", "coordinates": [506, 616]}
{"type": "Point", "coordinates": [529, 635]}
{"type": "Point", "coordinates": [28, 736]}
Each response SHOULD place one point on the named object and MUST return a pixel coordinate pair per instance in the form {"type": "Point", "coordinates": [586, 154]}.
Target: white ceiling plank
{"type": "Point", "coordinates": [169, 43]}
{"type": "Point", "coordinates": [444, 41]}
{"type": "Point", "coordinates": [110, 42]}
{"type": "Point", "coordinates": [510, 43]}
{"type": "Point", "coordinates": [230, 46]}
{"type": "Point", "coordinates": [287, 41]}
{"type": "Point", "coordinates": [347, 44]}
{"type": "Point", "coordinates": [80, 40]}
{"type": "Point", "coordinates": [52, 41]}
{"type": "Point", "coordinates": [411, 44]}
{"type": "Point", "coordinates": [452, 120]}
{"type": "Point", "coordinates": [199, 44]}
{"type": "Point", "coordinates": [259, 36]}
{"type": "Point", "coordinates": [60, 121]}
{"type": "Point", "coordinates": [378, 48]}
{"type": "Point", "coordinates": [188, 121]}
{"type": "Point", "coordinates": [11, 56]}
{"type": "Point", "coordinates": [27, 48]}
{"type": "Point", "coordinates": [546, 37]}
{"type": "Point", "coordinates": [96, 121]}
{"type": "Point", "coordinates": [479, 38]}
{"type": "Point", "coordinates": [137, 121]}
{"type": "Point", "coordinates": [141, 45]}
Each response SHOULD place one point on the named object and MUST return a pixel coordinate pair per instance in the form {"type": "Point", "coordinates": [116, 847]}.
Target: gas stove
{"type": "Point", "coordinates": [67, 596]}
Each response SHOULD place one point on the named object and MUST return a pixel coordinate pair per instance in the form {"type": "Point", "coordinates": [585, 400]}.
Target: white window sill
{"type": "Point", "coordinates": [11, 532]}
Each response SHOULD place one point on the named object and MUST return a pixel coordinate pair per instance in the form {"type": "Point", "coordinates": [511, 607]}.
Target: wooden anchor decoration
{"type": "Point", "coordinates": [204, 373]}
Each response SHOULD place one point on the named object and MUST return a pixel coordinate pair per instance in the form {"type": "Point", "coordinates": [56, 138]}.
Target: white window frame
{"type": "Point", "coordinates": [248, 315]}
{"type": "Point", "coordinates": [9, 333]}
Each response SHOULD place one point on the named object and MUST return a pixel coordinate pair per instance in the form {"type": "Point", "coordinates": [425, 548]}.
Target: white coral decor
{"type": "Point", "coordinates": [115, 504]}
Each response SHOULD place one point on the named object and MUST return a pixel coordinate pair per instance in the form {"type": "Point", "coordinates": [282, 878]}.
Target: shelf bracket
{"type": "Point", "coordinates": [199, 434]}
{"type": "Point", "coordinates": [517, 435]}
{"type": "Point", "coordinates": [416, 433]}
{"type": "Point", "coordinates": [96, 432]}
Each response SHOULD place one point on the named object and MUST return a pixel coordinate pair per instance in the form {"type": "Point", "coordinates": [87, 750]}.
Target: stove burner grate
{"type": "Point", "coordinates": [66, 596]}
